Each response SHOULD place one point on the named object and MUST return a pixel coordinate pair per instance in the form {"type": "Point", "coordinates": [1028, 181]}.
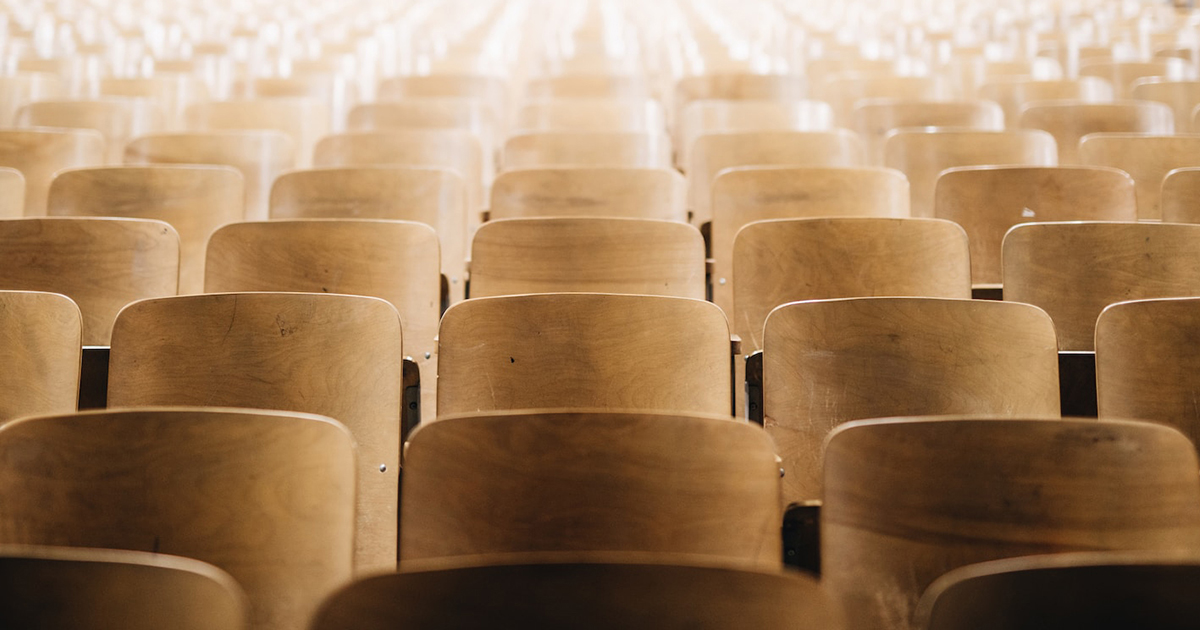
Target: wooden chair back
{"type": "Point", "coordinates": [118, 120]}
{"type": "Point", "coordinates": [172, 93]}
{"type": "Point", "coordinates": [721, 116]}
{"type": "Point", "coordinates": [303, 120]}
{"type": "Point", "coordinates": [875, 118]}
{"type": "Point", "coordinates": [1179, 197]}
{"type": "Point", "coordinates": [1147, 159]}
{"type": "Point", "coordinates": [1181, 96]}
{"type": "Point", "coordinates": [23, 88]}
{"type": "Point", "coordinates": [1123, 74]}
{"type": "Point", "coordinates": [12, 193]}
{"type": "Point", "coordinates": [603, 115]}
{"type": "Point", "coordinates": [1070, 121]}
{"type": "Point", "coordinates": [487, 89]}
{"type": "Point", "coordinates": [636, 193]}
{"type": "Point", "coordinates": [736, 86]}
{"type": "Point", "coordinates": [846, 93]}
{"type": "Point", "coordinates": [548, 149]}
{"type": "Point", "coordinates": [587, 86]}
{"type": "Point", "coordinates": [1013, 94]}
{"type": "Point", "coordinates": [40, 351]}
{"type": "Point", "coordinates": [40, 153]}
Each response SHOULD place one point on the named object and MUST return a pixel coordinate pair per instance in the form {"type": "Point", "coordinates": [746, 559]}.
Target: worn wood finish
{"type": "Point", "coordinates": [720, 116]}
{"type": "Point", "coordinates": [267, 496]}
{"type": "Point", "coordinates": [577, 114]}
{"type": "Point", "coordinates": [584, 350]}
{"type": "Point", "coordinates": [1123, 74]}
{"type": "Point", "coordinates": [1147, 159]}
{"type": "Point", "coordinates": [303, 120]}
{"type": "Point", "coordinates": [846, 93]}
{"type": "Point", "coordinates": [598, 255]}
{"type": "Point", "coordinates": [599, 148]}
{"type": "Point", "coordinates": [922, 154]}
{"type": "Point", "coordinates": [59, 588]}
{"type": "Point", "coordinates": [170, 92]}
{"type": "Point", "coordinates": [590, 481]}
{"type": "Point", "coordinates": [831, 361]}
{"type": "Point", "coordinates": [1070, 121]}
{"type": "Point", "coordinates": [1180, 96]}
{"type": "Point", "coordinates": [40, 350]}
{"type": "Point", "coordinates": [1074, 270]}
{"type": "Point", "coordinates": [636, 193]}
{"type": "Point", "coordinates": [908, 500]}
{"type": "Point", "coordinates": [260, 156]}
{"type": "Point", "coordinates": [393, 260]}
{"type": "Point", "coordinates": [194, 199]}
{"type": "Point", "coordinates": [1179, 197]}
{"type": "Point", "coordinates": [1013, 94]}
{"type": "Point", "coordinates": [988, 200]}
{"type": "Point", "coordinates": [24, 88]}
{"type": "Point", "coordinates": [713, 153]}
{"type": "Point", "coordinates": [336, 355]}
{"type": "Point", "coordinates": [587, 86]}
{"type": "Point", "coordinates": [40, 153]}
{"type": "Point", "coordinates": [12, 193]}
{"type": "Point", "coordinates": [874, 118]}
{"type": "Point", "coordinates": [101, 264]}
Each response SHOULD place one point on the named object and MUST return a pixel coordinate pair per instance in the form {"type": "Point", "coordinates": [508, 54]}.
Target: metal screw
{"type": "Point", "coordinates": [427, 355]}
{"type": "Point", "coordinates": [383, 468]}
{"type": "Point", "coordinates": [721, 281]}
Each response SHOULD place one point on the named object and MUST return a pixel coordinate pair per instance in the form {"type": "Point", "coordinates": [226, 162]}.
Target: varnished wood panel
{"type": "Point", "coordinates": [1147, 159]}
{"type": "Point", "coordinates": [1070, 121]}
{"type": "Point", "coordinates": [1181, 96]}
{"type": "Point", "coordinates": [583, 148]}
{"type": "Point", "coordinates": [40, 153]}
{"type": "Point", "coordinates": [580, 114]}
{"type": "Point", "coordinates": [117, 119]}
{"type": "Point", "coordinates": [1179, 196]}
{"type": "Point", "coordinates": [1013, 94]}
{"type": "Point", "coordinates": [874, 118]}
{"type": "Point", "coordinates": [303, 120]}
{"type": "Point", "coordinates": [40, 350]}
{"type": "Point", "coordinates": [12, 193]}
{"type": "Point", "coordinates": [720, 116]}
{"type": "Point", "coordinates": [638, 193]}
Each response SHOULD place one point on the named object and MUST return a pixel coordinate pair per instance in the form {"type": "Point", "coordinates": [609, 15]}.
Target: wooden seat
{"type": "Point", "coordinates": [874, 118]}
{"type": "Point", "coordinates": [259, 155]}
{"type": "Point", "coordinates": [1070, 121]}
{"type": "Point", "coordinates": [581, 254]}
{"type": "Point", "coordinates": [579, 114]}
{"type": "Point", "coordinates": [304, 120]}
{"type": "Point", "coordinates": [194, 199]}
{"type": "Point", "coordinates": [1066, 590]}
{"type": "Point", "coordinates": [118, 120]}
{"type": "Point", "coordinates": [590, 481]}
{"type": "Point", "coordinates": [846, 93]}
{"type": "Point", "coordinates": [59, 588]}
{"type": "Point", "coordinates": [40, 350]}
{"type": "Point", "coordinates": [12, 193]}
{"type": "Point", "coordinates": [922, 154]}
{"type": "Point", "coordinates": [584, 350]}
{"type": "Point", "coordinates": [1179, 197]}
{"type": "Point", "coordinates": [1181, 96]}
{"type": "Point", "coordinates": [1013, 94]}
{"type": "Point", "coordinates": [908, 500]}
{"type": "Point", "coordinates": [393, 260]}
{"type": "Point", "coordinates": [827, 362]}
{"type": "Point", "coordinates": [720, 116]}
{"type": "Point", "coordinates": [587, 86]}
{"type": "Point", "coordinates": [1123, 74]}
{"type": "Point", "coordinates": [1074, 270]}
{"type": "Point", "coordinates": [1147, 159]}
{"type": "Point", "coordinates": [636, 193]}
{"type": "Point", "coordinates": [988, 200]}
{"type": "Point", "coordinates": [267, 496]}
{"type": "Point", "coordinates": [40, 153]}
{"type": "Point", "coordinates": [599, 148]}
{"type": "Point", "coordinates": [336, 355]}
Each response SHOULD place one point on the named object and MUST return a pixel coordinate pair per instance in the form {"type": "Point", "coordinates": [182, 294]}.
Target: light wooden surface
{"type": "Point", "coordinates": [101, 264]}
{"type": "Point", "coordinates": [580, 114]}
{"type": "Point", "coordinates": [267, 496]}
{"type": "Point", "coordinates": [1147, 159]}
{"type": "Point", "coordinates": [1013, 94]}
{"type": "Point", "coordinates": [303, 120]}
{"type": "Point", "coordinates": [1180, 96]}
{"type": "Point", "coordinates": [831, 361]}
{"type": "Point", "coordinates": [1123, 74]}
{"type": "Point", "coordinates": [22, 88]}
{"type": "Point", "coordinates": [846, 93]}
{"type": "Point", "coordinates": [59, 588]}
{"type": "Point", "coordinates": [336, 355]}
{"type": "Point", "coordinates": [194, 199]}
{"type": "Point", "coordinates": [12, 193]}
{"type": "Point", "coordinates": [1179, 197]}
{"type": "Point", "coordinates": [874, 118]}
{"type": "Point", "coordinates": [40, 153]}
{"type": "Point", "coordinates": [598, 255]}
{"type": "Point", "coordinates": [988, 200]}
{"type": "Point", "coordinates": [118, 120]}
{"type": "Point", "coordinates": [487, 89]}
{"type": "Point", "coordinates": [922, 154]}
{"type": "Point", "coordinates": [713, 153]}
{"type": "Point", "coordinates": [719, 116]}
{"type": "Point", "coordinates": [590, 481]}
{"type": "Point", "coordinates": [260, 156]}
{"type": "Point", "coordinates": [908, 500]}
{"type": "Point", "coordinates": [1070, 121]}
{"type": "Point", "coordinates": [737, 86]}
{"type": "Point", "coordinates": [466, 114]}
{"type": "Point", "coordinates": [581, 148]}
{"type": "Point", "coordinates": [586, 86]}
{"type": "Point", "coordinates": [584, 350]}
{"type": "Point", "coordinates": [638, 193]}
{"type": "Point", "coordinates": [1074, 270]}
{"type": "Point", "coordinates": [40, 349]}
{"type": "Point", "coordinates": [172, 93]}
{"type": "Point", "coordinates": [392, 260]}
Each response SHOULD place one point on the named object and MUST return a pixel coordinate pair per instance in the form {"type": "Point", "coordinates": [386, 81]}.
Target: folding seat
{"type": "Point", "coordinates": [600, 191]}
{"type": "Point", "coordinates": [22, 88]}
{"type": "Point", "coordinates": [922, 154]}
{"type": "Point", "coordinates": [1074, 270]}
{"type": "Point", "coordinates": [1014, 93]}
{"type": "Point", "coordinates": [1178, 196]}
{"type": "Point", "coordinates": [846, 93]}
{"type": "Point", "coordinates": [118, 120]}
{"type": "Point", "coordinates": [907, 500]}
{"type": "Point", "coordinates": [874, 118]}
{"type": "Point", "coordinates": [579, 85]}
{"type": "Point", "coordinates": [1070, 121]}
{"type": "Point", "coordinates": [578, 114]}
{"type": "Point", "coordinates": [172, 93]}
{"type": "Point", "coordinates": [586, 148]}
{"type": "Point", "coordinates": [1181, 96]}
{"type": "Point", "coordinates": [304, 120]}
{"type": "Point", "coordinates": [584, 350]}
{"type": "Point", "coordinates": [719, 116]}
{"type": "Point", "coordinates": [334, 355]}
{"type": "Point", "coordinates": [267, 496]}
{"type": "Point", "coordinates": [40, 153]}
{"type": "Point", "coordinates": [1147, 159]}
{"type": "Point", "coordinates": [194, 199]}
{"type": "Point", "coordinates": [988, 200]}
{"type": "Point", "coordinates": [59, 588]}
{"type": "Point", "coordinates": [12, 193]}
{"type": "Point", "coordinates": [1123, 74]}
{"type": "Point", "coordinates": [260, 156]}
{"type": "Point", "coordinates": [40, 349]}
{"type": "Point", "coordinates": [590, 481]}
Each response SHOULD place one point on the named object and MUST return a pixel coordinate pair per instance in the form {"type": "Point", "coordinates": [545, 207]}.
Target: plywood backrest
{"type": "Point", "coordinates": [172, 93]}
{"type": "Point", "coordinates": [1074, 270]}
{"type": "Point", "coordinates": [827, 362]}
{"type": "Point", "coordinates": [12, 193]}
{"type": "Point", "coordinates": [22, 88]}
{"type": "Point", "coordinates": [40, 350]}
{"type": "Point", "coordinates": [40, 153]}
{"type": "Point", "coordinates": [988, 200]}
{"type": "Point", "coordinates": [117, 119]}
{"type": "Point", "coordinates": [1179, 197]}
{"type": "Point", "coordinates": [1123, 74]}
{"type": "Point", "coordinates": [1013, 94]}
{"type": "Point", "coordinates": [874, 118]}
{"type": "Point", "coordinates": [908, 500]}
{"type": "Point", "coordinates": [1070, 121]}
{"type": "Point", "coordinates": [1181, 96]}
{"type": "Point", "coordinates": [640, 193]}
{"type": "Point", "coordinates": [336, 355]}
{"type": "Point", "coordinates": [737, 86]}
{"type": "Point", "coordinates": [424, 113]}
{"type": "Point", "coordinates": [718, 116]}
{"type": "Point", "coordinates": [846, 93]}
{"type": "Point", "coordinates": [267, 496]}
{"type": "Point", "coordinates": [1147, 159]}
{"type": "Point", "coordinates": [587, 86]}
{"type": "Point", "coordinates": [583, 148]}
{"type": "Point", "coordinates": [583, 481]}
{"type": "Point", "coordinates": [304, 120]}
{"type": "Point", "coordinates": [580, 114]}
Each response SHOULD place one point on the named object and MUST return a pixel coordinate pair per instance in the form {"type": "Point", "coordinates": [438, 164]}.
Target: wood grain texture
{"type": "Point", "coordinates": [718, 116]}
{"type": "Point", "coordinates": [465, 114]}
{"type": "Point", "coordinates": [335, 355]}
{"type": "Point", "coordinates": [736, 86]}
{"type": "Point", "coordinates": [1179, 197]}
{"type": "Point", "coordinates": [582, 148]}
{"type": "Point", "coordinates": [561, 480]}
{"type": "Point", "coordinates": [989, 200]}
{"type": "Point", "coordinates": [303, 120]}
{"type": "Point", "coordinates": [1074, 270]}
{"type": "Point", "coordinates": [101, 264]}
{"type": "Point", "coordinates": [922, 154]}
{"type": "Point", "coordinates": [636, 193]}
{"type": "Point", "coordinates": [1070, 121]}
{"type": "Point", "coordinates": [1180, 96]}
{"type": "Point", "coordinates": [1123, 74]}
{"type": "Point", "coordinates": [40, 153]}
{"type": "Point", "coordinates": [584, 351]}
{"type": "Point", "coordinates": [1147, 159]}
{"type": "Point", "coordinates": [12, 193]}
{"type": "Point", "coordinates": [845, 93]}
{"type": "Point", "coordinates": [831, 361]}
{"type": "Point", "coordinates": [194, 199]}
{"type": "Point", "coordinates": [60, 588]}
{"type": "Point", "coordinates": [908, 500]}
{"type": "Point", "coordinates": [1013, 94]}
{"type": "Point", "coordinates": [267, 496]}
{"type": "Point", "coordinates": [40, 351]}
{"type": "Point", "coordinates": [260, 156]}
{"type": "Point", "coordinates": [874, 118]}
{"type": "Point", "coordinates": [581, 114]}
{"type": "Point", "coordinates": [118, 120]}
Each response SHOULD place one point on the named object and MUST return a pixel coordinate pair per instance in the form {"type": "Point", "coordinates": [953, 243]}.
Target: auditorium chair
{"type": "Point", "coordinates": [40, 350]}
{"type": "Point", "coordinates": [40, 153]}
{"type": "Point", "coordinates": [22, 88]}
{"type": "Point", "coordinates": [118, 120]}
{"type": "Point", "coordinates": [194, 199]}
{"type": "Point", "coordinates": [590, 85]}
{"type": "Point", "coordinates": [1146, 158]}
{"type": "Point", "coordinates": [907, 500]}
{"type": "Point", "coordinates": [1074, 270]}
{"type": "Point", "coordinates": [1180, 96]}
{"type": "Point", "coordinates": [548, 149]}
{"type": "Point", "coordinates": [334, 355]}
{"type": "Point", "coordinates": [587, 115]}
{"type": "Point", "coordinates": [489, 90]}
{"type": "Point", "coordinates": [846, 92]}
{"type": "Point", "coordinates": [1179, 197]}
{"type": "Point", "coordinates": [1013, 94]}
{"type": "Point", "coordinates": [1123, 74]}
{"type": "Point", "coordinates": [969, 72]}
{"type": "Point", "coordinates": [735, 86]}
{"type": "Point", "coordinates": [171, 93]}
{"type": "Point", "coordinates": [12, 193]}
{"type": "Point", "coordinates": [1070, 121]}
{"type": "Point", "coordinates": [425, 113]}
{"type": "Point", "coordinates": [834, 66]}
{"type": "Point", "coordinates": [874, 118]}
{"type": "Point", "coordinates": [267, 496]}
{"type": "Point", "coordinates": [303, 120]}
{"type": "Point", "coordinates": [720, 116]}
{"type": "Point", "coordinates": [591, 191]}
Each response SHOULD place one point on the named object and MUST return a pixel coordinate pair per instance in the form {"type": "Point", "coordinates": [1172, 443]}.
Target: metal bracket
{"type": "Point", "coordinates": [754, 392]}
{"type": "Point", "coordinates": [802, 536]}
